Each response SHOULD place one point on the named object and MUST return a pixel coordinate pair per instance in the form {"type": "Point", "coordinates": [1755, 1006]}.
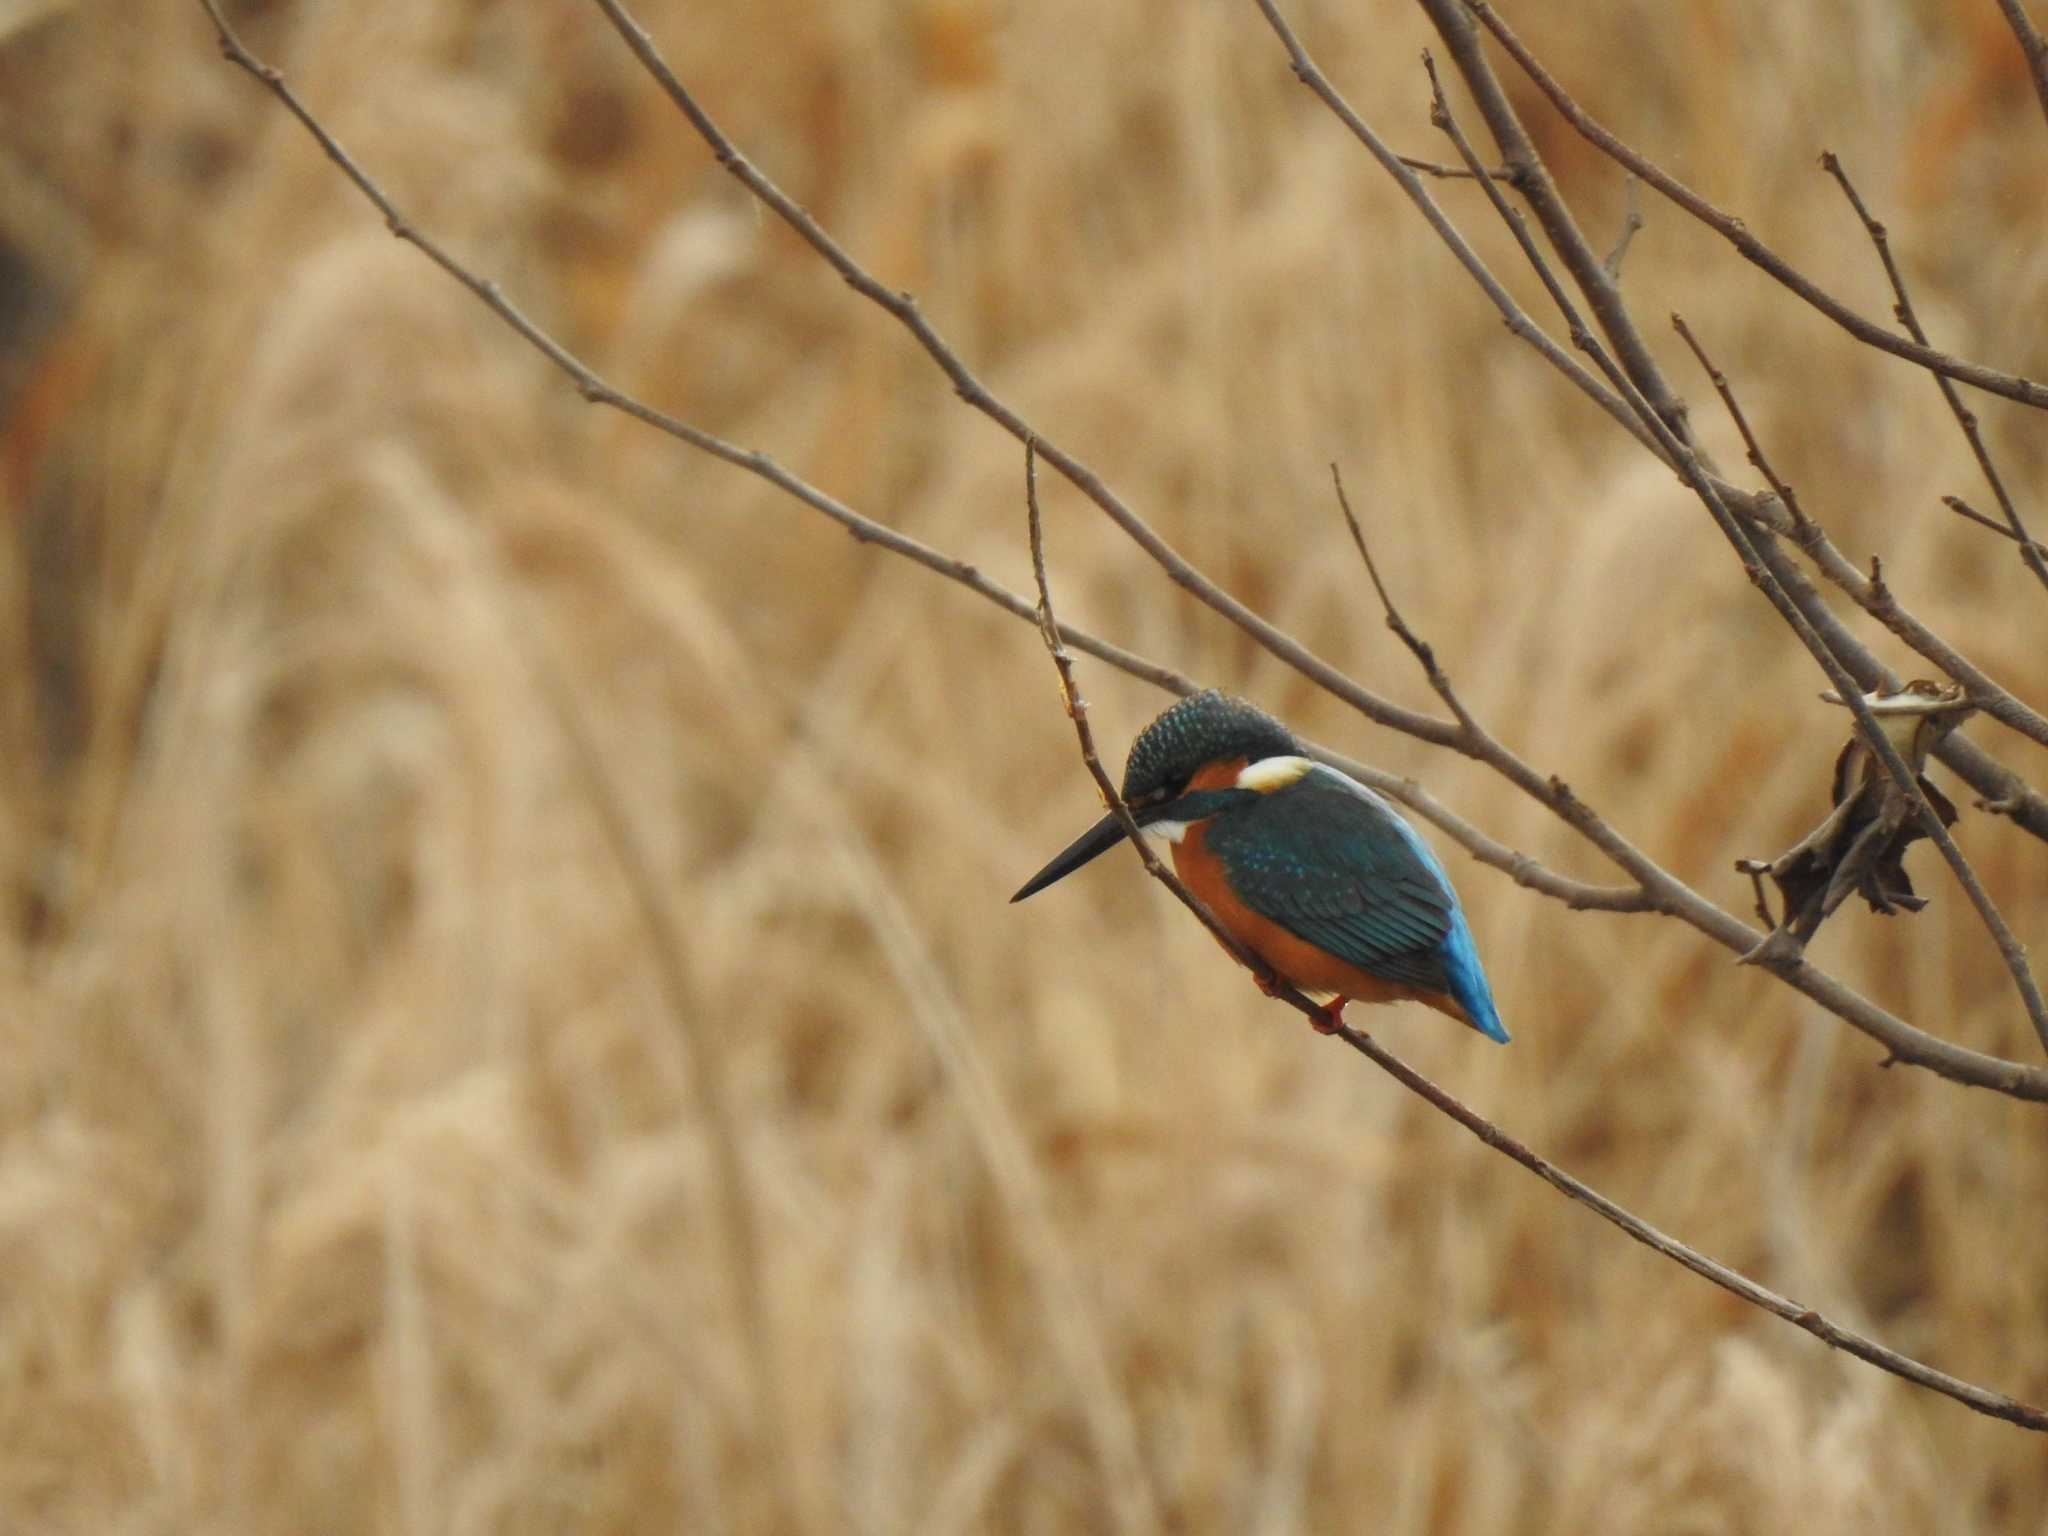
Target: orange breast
{"type": "Point", "coordinates": [1309, 968]}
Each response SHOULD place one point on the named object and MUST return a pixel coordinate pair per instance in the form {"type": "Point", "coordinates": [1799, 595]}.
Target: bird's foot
{"type": "Point", "coordinates": [1328, 1019]}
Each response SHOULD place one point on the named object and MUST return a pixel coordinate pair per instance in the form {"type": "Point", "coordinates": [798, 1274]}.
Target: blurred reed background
{"type": "Point", "coordinates": [359, 1170]}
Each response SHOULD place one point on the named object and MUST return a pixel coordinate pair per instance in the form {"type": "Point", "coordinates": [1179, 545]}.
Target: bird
{"type": "Point", "coordinates": [1315, 875]}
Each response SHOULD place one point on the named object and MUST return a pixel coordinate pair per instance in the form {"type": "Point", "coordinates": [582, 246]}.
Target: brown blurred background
{"type": "Point", "coordinates": [359, 1168]}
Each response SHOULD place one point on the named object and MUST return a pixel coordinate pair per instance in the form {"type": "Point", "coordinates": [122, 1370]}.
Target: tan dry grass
{"type": "Point", "coordinates": [357, 1173]}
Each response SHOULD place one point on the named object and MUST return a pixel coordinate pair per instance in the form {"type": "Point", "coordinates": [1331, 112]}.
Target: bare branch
{"type": "Point", "coordinates": [1998, 784]}
{"type": "Point", "coordinates": [2032, 44]}
{"type": "Point", "coordinates": [2009, 948]}
{"type": "Point", "coordinates": [1995, 1404]}
{"type": "Point", "coordinates": [1077, 711]}
{"type": "Point", "coordinates": [594, 389]}
{"type": "Point", "coordinates": [1737, 234]}
{"type": "Point", "coordinates": [1965, 417]}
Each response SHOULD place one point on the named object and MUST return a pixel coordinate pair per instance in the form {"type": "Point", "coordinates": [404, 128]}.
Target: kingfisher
{"type": "Point", "coordinates": [1310, 871]}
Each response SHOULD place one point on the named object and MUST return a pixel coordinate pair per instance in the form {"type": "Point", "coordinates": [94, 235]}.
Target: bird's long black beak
{"type": "Point", "coordinates": [1199, 805]}
{"type": "Point", "coordinates": [1092, 844]}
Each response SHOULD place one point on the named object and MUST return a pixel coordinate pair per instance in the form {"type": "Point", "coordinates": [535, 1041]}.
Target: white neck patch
{"type": "Point", "coordinates": [1271, 773]}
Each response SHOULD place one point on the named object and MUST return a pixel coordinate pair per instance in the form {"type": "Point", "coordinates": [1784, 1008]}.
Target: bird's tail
{"type": "Point", "coordinates": [1467, 978]}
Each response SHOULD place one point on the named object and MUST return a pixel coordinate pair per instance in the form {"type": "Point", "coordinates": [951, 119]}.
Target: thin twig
{"type": "Point", "coordinates": [1440, 117]}
{"type": "Point", "coordinates": [1631, 226]}
{"type": "Point", "coordinates": [1737, 234]}
{"type": "Point", "coordinates": [1803, 526]}
{"type": "Point", "coordinates": [1962, 508]}
{"type": "Point", "coordinates": [1995, 1404]}
{"type": "Point", "coordinates": [1965, 417]}
{"type": "Point", "coordinates": [2032, 44]}
{"type": "Point", "coordinates": [1422, 650]}
{"type": "Point", "coordinates": [1077, 711]}
{"type": "Point", "coordinates": [1756, 870]}
{"type": "Point", "coordinates": [1442, 172]}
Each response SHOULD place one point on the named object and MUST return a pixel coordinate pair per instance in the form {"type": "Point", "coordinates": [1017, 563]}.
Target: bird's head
{"type": "Point", "coordinates": [1188, 765]}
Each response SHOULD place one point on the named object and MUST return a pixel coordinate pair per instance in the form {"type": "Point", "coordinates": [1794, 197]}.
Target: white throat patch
{"type": "Point", "coordinates": [1271, 773]}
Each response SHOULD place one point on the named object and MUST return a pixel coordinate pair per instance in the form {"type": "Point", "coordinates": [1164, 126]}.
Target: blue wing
{"type": "Point", "coordinates": [1333, 863]}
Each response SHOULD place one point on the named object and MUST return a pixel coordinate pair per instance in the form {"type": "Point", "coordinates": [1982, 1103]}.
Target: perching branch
{"type": "Point", "coordinates": [1983, 1400]}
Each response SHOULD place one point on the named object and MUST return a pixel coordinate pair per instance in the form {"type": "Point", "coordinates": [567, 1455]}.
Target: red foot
{"type": "Point", "coordinates": [1331, 1018]}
